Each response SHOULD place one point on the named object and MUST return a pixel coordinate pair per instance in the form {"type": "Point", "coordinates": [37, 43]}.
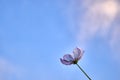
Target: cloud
{"type": "Point", "coordinates": [114, 42]}
{"type": "Point", "coordinates": [98, 18]}
{"type": "Point", "coordinates": [8, 71]}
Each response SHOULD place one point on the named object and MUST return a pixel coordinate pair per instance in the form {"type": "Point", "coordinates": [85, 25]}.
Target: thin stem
{"type": "Point", "coordinates": [84, 72]}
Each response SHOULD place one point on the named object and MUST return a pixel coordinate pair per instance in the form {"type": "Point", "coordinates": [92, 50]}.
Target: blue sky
{"type": "Point", "coordinates": [34, 34]}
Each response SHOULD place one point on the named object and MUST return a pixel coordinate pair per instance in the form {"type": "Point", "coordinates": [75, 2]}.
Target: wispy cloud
{"type": "Point", "coordinates": [8, 71]}
{"type": "Point", "coordinates": [98, 18]}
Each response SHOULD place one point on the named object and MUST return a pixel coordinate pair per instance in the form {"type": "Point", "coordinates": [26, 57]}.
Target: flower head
{"type": "Point", "coordinates": [73, 58]}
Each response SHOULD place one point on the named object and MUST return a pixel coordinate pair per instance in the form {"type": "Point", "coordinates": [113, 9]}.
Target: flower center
{"type": "Point", "coordinates": [75, 62]}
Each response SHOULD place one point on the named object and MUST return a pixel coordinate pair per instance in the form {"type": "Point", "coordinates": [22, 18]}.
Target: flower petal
{"type": "Point", "coordinates": [82, 52]}
{"type": "Point", "coordinates": [68, 57]}
{"type": "Point", "coordinates": [77, 53]}
{"type": "Point", "coordinates": [65, 62]}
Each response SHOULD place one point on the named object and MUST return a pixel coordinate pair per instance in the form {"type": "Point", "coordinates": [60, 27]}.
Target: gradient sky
{"type": "Point", "coordinates": [34, 34]}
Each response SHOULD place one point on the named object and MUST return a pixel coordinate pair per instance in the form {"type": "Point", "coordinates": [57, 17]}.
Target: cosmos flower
{"type": "Point", "coordinates": [73, 58]}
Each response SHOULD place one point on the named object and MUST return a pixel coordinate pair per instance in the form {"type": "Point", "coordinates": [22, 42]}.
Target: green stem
{"type": "Point", "coordinates": [84, 72]}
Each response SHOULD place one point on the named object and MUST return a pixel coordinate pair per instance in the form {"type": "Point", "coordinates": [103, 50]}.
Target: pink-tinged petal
{"type": "Point", "coordinates": [65, 62]}
{"type": "Point", "coordinates": [68, 57]}
{"type": "Point", "coordinates": [82, 52]}
{"type": "Point", "coordinates": [77, 53]}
